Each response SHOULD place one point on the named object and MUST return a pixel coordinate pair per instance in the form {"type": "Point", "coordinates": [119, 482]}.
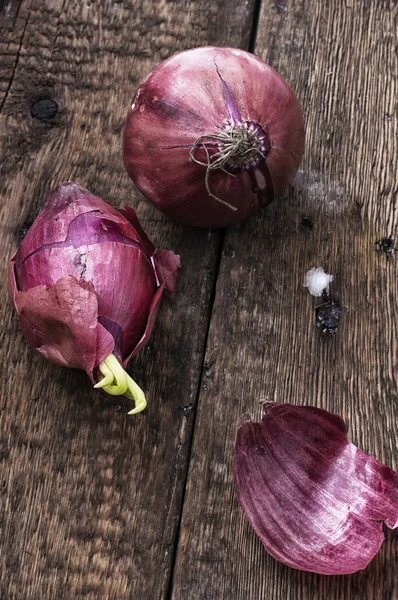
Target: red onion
{"type": "Point", "coordinates": [213, 135]}
{"type": "Point", "coordinates": [316, 501]}
{"type": "Point", "coordinates": [86, 283]}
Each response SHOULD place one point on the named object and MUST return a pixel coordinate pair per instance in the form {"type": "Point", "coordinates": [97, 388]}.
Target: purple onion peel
{"type": "Point", "coordinates": [316, 501]}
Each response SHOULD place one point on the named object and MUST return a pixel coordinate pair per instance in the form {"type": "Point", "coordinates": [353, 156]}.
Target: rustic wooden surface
{"type": "Point", "coordinates": [98, 505]}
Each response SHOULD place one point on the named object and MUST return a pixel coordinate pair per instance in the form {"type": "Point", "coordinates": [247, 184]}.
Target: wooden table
{"type": "Point", "coordinates": [99, 505]}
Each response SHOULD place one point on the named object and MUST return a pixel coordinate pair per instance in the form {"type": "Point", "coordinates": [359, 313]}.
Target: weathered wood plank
{"type": "Point", "coordinates": [13, 25]}
{"type": "Point", "coordinates": [263, 342]}
{"type": "Point", "coordinates": [91, 498]}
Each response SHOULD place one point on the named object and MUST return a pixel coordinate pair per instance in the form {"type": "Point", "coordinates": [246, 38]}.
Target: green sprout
{"type": "Point", "coordinates": [117, 382]}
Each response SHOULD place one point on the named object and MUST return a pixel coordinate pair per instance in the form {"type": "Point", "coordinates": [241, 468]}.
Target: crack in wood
{"type": "Point", "coordinates": [2, 104]}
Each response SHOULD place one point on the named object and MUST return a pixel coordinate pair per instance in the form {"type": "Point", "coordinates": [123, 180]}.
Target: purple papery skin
{"type": "Point", "coordinates": [94, 228]}
{"type": "Point", "coordinates": [236, 118]}
{"type": "Point", "coordinates": [115, 330]}
{"type": "Point", "coordinates": [90, 228]}
{"type": "Point", "coordinates": [316, 501]}
{"type": "Point", "coordinates": [86, 262]}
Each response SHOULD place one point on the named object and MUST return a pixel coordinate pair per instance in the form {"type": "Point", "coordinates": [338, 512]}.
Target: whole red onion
{"type": "Point", "coordinates": [213, 134]}
{"type": "Point", "coordinates": [86, 283]}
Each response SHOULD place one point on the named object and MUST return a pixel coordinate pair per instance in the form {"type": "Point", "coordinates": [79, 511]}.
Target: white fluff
{"type": "Point", "coordinates": [316, 280]}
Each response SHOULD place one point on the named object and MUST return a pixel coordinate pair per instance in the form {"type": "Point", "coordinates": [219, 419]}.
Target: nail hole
{"type": "Point", "coordinates": [328, 317]}
{"type": "Point", "coordinates": [307, 222]}
{"type": "Point", "coordinates": [386, 245]}
{"type": "Point", "coordinates": [44, 109]}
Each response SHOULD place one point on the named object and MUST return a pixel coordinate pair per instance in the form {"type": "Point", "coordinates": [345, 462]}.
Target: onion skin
{"type": "Point", "coordinates": [316, 501]}
{"type": "Point", "coordinates": [86, 281]}
{"type": "Point", "coordinates": [186, 97]}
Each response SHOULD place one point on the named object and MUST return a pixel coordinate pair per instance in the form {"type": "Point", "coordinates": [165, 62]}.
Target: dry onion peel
{"type": "Point", "coordinates": [316, 501]}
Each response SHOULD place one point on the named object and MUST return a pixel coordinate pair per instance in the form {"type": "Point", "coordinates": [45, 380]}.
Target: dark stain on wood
{"type": "Point", "coordinates": [8, 6]}
{"type": "Point", "coordinates": [22, 229]}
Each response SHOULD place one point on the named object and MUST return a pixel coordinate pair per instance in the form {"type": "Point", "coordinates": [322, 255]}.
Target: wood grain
{"type": "Point", "coordinates": [263, 343]}
{"type": "Point", "coordinates": [91, 498]}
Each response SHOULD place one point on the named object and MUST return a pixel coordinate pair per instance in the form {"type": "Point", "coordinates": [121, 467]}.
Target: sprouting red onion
{"type": "Point", "coordinates": [316, 501]}
{"type": "Point", "coordinates": [213, 134]}
{"type": "Point", "coordinates": [86, 283]}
